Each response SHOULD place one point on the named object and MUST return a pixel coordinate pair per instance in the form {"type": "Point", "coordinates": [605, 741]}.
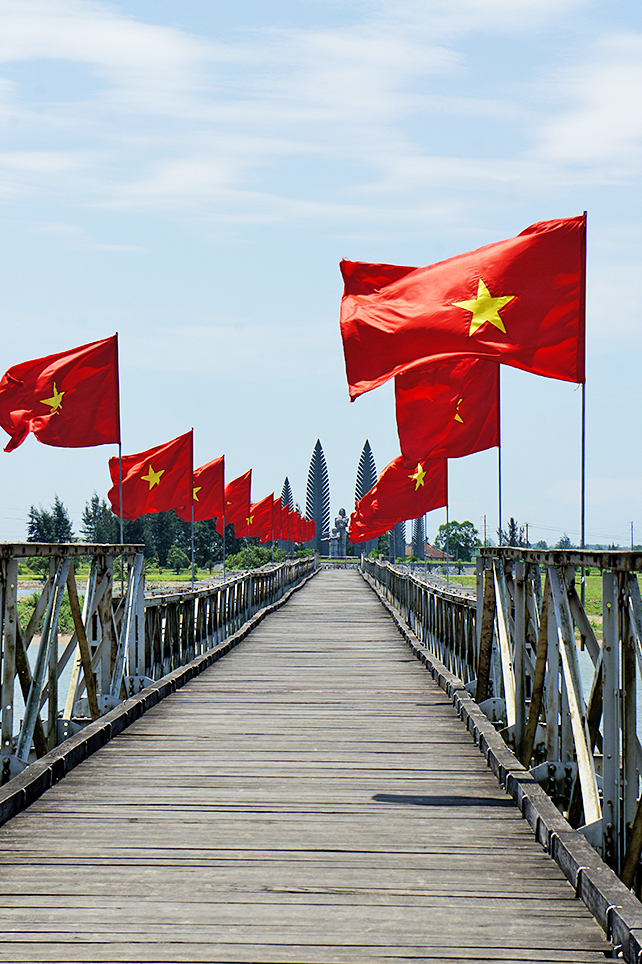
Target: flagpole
{"type": "Point", "coordinates": [224, 540]}
{"type": "Point", "coordinates": [120, 520]}
{"type": "Point", "coordinates": [425, 541]}
{"type": "Point", "coordinates": [583, 431]}
{"type": "Point", "coordinates": [192, 544]}
{"type": "Point", "coordinates": [447, 550]}
{"type": "Point", "coordinates": [499, 459]}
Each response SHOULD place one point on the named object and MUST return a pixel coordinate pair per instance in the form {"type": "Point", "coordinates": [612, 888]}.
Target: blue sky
{"type": "Point", "coordinates": [189, 175]}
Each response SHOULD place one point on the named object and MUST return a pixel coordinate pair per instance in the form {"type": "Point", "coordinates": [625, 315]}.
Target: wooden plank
{"type": "Point", "coordinates": [311, 797]}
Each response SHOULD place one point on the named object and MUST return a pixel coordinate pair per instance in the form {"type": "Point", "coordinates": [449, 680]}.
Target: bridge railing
{"type": "Point", "coordinates": [120, 643]}
{"type": "Point", "coordinates": [442, 620]}
{"type": "Point", "coordinates": [560, 684]}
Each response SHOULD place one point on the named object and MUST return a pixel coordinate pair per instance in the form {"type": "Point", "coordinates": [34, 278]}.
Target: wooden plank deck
{"type": "Point", "coordinates": [311, 797]}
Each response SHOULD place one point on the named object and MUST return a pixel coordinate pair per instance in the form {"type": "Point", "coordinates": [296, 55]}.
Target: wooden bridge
{"type": "Point", "coordinates": [315, 795]}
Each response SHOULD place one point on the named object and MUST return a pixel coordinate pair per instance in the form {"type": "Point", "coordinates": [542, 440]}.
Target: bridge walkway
{"type": "Point", "coordinates": [311, 797]}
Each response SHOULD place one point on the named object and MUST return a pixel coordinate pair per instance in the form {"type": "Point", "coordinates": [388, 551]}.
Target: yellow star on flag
{"type": "Point", "coordinates": [153, 477]}
{"type": "Point", "coordinates": [249, 520]}
{"type": "Point", "coordinates": [197, 488]}
{"type": "Point", "coordinates": [55, 402]}
{"type": "Point", "coordinates": [418, 477]}
{"type": "Point", "coordinates": [458, 417]}
{"type": "Point", "coordinates": [484, 308]}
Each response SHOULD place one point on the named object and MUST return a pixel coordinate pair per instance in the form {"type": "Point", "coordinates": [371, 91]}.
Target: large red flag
{"type": "Point", "coordinates": [259, 520]}
{"type": "Point", "coordinates": [404, 490]}
{"type": "Point", "coordinates": [208, 492]}
{"type": "Point", "coordinates": [153, 481]}
{"type": "Point", "coordinates": [237, 502]}
{"type": "Point", "coordinates": [69, 399]}
{"type": "Point", "coordinates": [519, 302]}
{"type": "Point", "coordinates": [449, 410]}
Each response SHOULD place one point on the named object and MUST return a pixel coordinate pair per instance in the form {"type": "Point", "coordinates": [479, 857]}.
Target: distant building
{"type": "Point", "coordinates": [433, 553]}
{"type": "Point", "coordinates": [317, 501]}
{"type": "Point", "coordinates": [366, 479]}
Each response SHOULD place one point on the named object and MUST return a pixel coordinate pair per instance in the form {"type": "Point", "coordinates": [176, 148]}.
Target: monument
{"type": "Point", "coordinates": [317, 500]}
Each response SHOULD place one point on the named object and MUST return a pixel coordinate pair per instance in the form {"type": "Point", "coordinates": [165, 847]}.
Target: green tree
{"type": "Point", "coordinates": [463, 539]}
{"type": "Point", "coordinates": [564, 543]}
{"type": "Point", "coordinates": [513, 535]}
{"type": "Point", "coordinates": [540, 545]}
{"type": "Point", "coordinates": [177, 559]}
{"type": "Point", "coordinates": [52, 525]}
{"type": "Point", "coordinates": [99, 524]}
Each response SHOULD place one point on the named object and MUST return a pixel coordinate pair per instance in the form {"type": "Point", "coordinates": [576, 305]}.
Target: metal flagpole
{"type": "Point", "coordinates": [224, 540]}
{"type": "Point", "coordinates": [583, 429]}
{"type": "Point", "coordinates": [120, 520]}
{"type": "Point", "coordinates": [192, 543]}
{"type": "Point", "coordinates": [499, 459]}
{"type": "Point", "coordinates": [583, 491]}
{"type": "Point", "coordinates": [425, 543]}
{"type": "Point", "coordinates": [447, 549]}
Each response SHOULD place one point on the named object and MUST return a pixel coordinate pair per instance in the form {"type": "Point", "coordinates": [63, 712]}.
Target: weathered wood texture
{"type": "Point", "coordinates": [311, 797]}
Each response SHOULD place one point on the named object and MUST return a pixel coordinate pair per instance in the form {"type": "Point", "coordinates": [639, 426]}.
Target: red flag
{"type": "Point", "coordinates": [268, 534]}
{"type": "Point", "coordinates": [259, 519]}
{"type": "Point", "coordinates": [404, 490]}
{"type": "Point", "coordinates": [276, 519]}
{"type": "Point", "coordinates": [363, 531]}
{"type": "Point", "coordinates": [519, 302]}
{"type": "Point", "coordinates": [208, 492]}
{"type": "Point", "coordinates": [449, 410]}
{"type": "Point", "coordinates": [237, 502]}
{"type": "Point", "coordinates": [69, 399]}
{"type": "Point", "coordinates": [153, 481]}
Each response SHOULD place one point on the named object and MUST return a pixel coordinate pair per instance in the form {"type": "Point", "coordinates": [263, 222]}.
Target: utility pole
{"type": "Point", "coordinates": [631, 535]}
{"type": "Point", "coordinates": [527, 535]}
{"type": "Point", "coordinates": [485, 542]}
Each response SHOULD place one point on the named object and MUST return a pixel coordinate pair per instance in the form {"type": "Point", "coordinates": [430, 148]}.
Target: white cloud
{"type": "Point", "coordinates": [178, 122]}
{"type": "Point", "coordinates": [604, 126]}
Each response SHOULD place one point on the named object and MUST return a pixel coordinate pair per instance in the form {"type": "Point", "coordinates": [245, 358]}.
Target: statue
{"type": "Point", "coordinates": [341, 528]}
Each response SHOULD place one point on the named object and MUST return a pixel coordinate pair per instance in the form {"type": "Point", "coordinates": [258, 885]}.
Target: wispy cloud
{"type": "Point", "coordinates": [602, 126]}
{"type": "Point", "coordinates": [172, 121]}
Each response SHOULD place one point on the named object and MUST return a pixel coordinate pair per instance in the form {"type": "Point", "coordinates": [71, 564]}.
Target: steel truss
{"type": "Point", "coordinates": [120, 644]}
{"type": "Point", "coordinates": [521, 649]}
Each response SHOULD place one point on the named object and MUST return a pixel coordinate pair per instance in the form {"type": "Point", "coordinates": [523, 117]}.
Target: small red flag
{"type": "Point", "coordinates": [519, 302]}
{"type": "Point", "coordinates": [449, 410]}
{"type": "Point", "coordinates": [404, 490]}
{"type": "Point", "coordinates": [259, 520]}
{"type": "Point", "coordinates": [237, 503]}
{"type": "Point", "coordinates": [208, 492]}
{"type": "Point", "coordinates": [153, 481]}
{"type": "Point", "coordinates": [69, 399]}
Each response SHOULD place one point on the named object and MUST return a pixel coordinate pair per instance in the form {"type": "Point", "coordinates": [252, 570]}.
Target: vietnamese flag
{"type": "Point", "coordinates": [259, 520]}
{"type": "Point", "coordinates": [153, 481]}
{"type": "Point", "coordinates": [449, 410]}
{"type": "Point", "coordinates": [519, 302]}
{"type": "Point", "coordinates": [208, 492]}
{"type": "Point", "coordinates": [405, 490]}
{"type": "Point", "coordinates": [362, 531]}
{"type": "Point", "coordinates": [69, 399]}
{"type": "Point", "coordinates": [237, 503]}
{"type": "Point", "coordinates": [274, 531]}
{"type": "Point", "coordinates": [268, 534]}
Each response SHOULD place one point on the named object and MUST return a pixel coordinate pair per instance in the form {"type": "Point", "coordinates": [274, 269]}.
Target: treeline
{"type": "Point", "coordinates": [165, 537]}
